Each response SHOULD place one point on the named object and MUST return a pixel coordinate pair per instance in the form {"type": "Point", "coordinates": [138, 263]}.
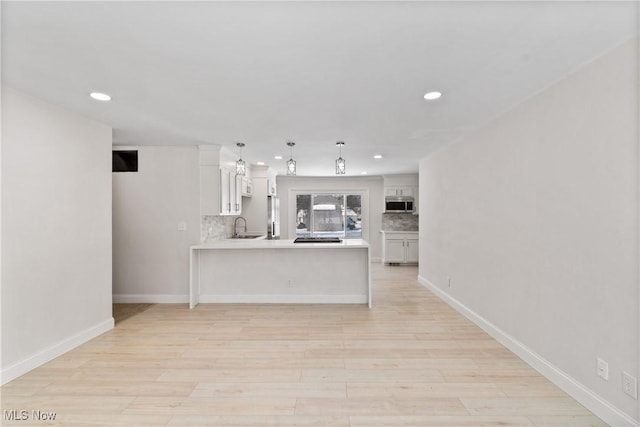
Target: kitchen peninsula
{"type": "Point", "coordinates": [280, 271]}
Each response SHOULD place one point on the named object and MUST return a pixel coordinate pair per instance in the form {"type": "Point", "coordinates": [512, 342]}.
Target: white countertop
{"type": "Point", "coordinates": [279, 244]}
{"type": "Point", "coordinates": [399, 232]}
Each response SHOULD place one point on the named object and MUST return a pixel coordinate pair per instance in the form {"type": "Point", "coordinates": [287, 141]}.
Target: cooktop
{"type": "Point", "coordinates": [317, 240]}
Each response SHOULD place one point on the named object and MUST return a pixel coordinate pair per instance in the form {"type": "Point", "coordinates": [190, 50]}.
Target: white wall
{"type": "Point", "coordinates": [150, 254]}
{"type": "Point", "coordinates": [373, 185]}
{"type": "Point", "coordinates": [535, 220]}
{"type": "Point", "coordinates": [56, 231]}
{"type": "Point", "coordinates": [401, 180]}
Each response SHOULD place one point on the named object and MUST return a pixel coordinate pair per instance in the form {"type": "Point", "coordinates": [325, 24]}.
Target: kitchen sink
{"type": "Point", "coordinates": [250, 236]}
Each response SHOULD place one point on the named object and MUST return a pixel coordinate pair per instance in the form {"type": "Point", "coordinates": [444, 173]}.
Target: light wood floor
{"type": "Point", "coordinates": [409, 361]}
{"type": "Point", "coordinates": [122, 312]}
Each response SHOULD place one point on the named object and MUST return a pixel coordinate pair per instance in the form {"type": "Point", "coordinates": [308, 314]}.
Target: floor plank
{"type": "Point", "coordinates": [409, 361]}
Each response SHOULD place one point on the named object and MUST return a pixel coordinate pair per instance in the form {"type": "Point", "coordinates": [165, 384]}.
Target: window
{"type": "Point", "coordinates": [329, 215]}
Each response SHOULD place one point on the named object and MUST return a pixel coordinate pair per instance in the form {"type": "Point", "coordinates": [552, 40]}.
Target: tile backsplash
{"type": "Point", "coordinates": [215, 227]}
{"type": "Point", "coordinates": [399, 222]}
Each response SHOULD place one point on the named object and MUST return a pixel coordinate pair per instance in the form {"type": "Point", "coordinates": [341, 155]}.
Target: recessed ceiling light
{"type": "Point", "coordinates": [430, 96]}
{"type": "Point", "coordinates": [98, 96]}
{"type": "Point", "coordinates": [260, 163]}
{"type": "Point", "coordinates": [377, 156]}
{"type": "Point", "coordinates": [277, 157]}
{"type": "Point", "coordinates": [363, 173]}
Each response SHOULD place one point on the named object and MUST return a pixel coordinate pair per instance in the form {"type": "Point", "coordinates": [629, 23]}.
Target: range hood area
{"type": "Point", "coordinates": [399, 204]}
{"type": "Point", "coordinates": [317, 240]}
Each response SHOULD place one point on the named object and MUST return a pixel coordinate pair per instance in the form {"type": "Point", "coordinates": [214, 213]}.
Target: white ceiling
{"type": "Point", "coordinates": [313, 72]}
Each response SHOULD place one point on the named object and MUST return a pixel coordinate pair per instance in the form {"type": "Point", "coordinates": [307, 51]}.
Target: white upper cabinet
{"type": "Point", "coordinates": [399, 191]}
{"type": "Point", "coordinates": [230, 192]}
{"type": "Point", "coordinates": [221, 190]}
{"type": "Point", "coordinates": [237, 193]}
{"type": "Point", "coordinates": [247, 187]}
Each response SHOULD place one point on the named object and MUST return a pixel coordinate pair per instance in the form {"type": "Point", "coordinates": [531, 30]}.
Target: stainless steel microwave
{"type": "Point", "coordinates": [398, 204]}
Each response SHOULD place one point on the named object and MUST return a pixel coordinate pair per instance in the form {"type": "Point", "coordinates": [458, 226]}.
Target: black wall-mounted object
{"type": "Point", "coordinates": [125, 160]}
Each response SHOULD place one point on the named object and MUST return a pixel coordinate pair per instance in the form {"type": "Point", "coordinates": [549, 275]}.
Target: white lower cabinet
{"type": "Point", "coordinates": [411, 250]}
{"type": "Point", "coordinates": [400, 248]}
{"type": "Point", "coordinates": [394, 250]}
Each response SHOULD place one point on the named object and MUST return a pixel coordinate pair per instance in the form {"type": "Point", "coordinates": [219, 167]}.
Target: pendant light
{"type": "Point", "coordinates": [340, 162]}
{"type": "Point", "coordinates": [291, 164]}
{"type": "Point", "coordinates": [241, 166]}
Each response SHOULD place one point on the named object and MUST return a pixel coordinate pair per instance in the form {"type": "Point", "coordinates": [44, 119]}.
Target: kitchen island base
{"type": "Point", "coordinates": [280, 272]}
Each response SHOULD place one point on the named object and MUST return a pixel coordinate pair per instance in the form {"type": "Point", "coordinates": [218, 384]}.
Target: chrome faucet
{"type": "Point", "coordinates": [235, 226]}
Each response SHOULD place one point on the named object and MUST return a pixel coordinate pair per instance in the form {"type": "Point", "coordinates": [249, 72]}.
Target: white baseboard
{"type": "Point", "coordinates": [585, 396]}
{"type": "Point", "coordinates": [41, 357]}
{"type": "Point", "coordinates": [150, 298]}
{"type": "Point", "coordinates": [284, 299]}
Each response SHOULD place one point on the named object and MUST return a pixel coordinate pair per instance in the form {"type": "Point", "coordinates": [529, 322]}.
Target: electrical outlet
{"type": "Point", "coordinates": [289, 284]}
{"type": "Point", "coordinates": [603, 369]}
{"type": "Point", "coordinates": [182, 226]}
{"type": "Point", "coordinates": [629, 385]}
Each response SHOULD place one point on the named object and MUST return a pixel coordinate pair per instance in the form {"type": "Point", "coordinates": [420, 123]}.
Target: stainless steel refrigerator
{"type": "Point", "coordinates": [273, 217]}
